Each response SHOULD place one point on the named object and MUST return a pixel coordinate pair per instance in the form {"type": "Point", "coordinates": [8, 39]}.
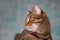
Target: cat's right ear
{"type": "Point", "coordinates": [37, 9]}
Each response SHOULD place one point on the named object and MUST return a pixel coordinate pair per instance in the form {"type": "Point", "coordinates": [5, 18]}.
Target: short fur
{"type": "Point", "coordinates": [37, 26]}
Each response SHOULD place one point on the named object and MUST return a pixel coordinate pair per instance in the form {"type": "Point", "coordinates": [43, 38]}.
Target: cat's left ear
{"type": "Point", "coordinates": [28, 12]}
{"type": "Point", "coordinates": [37, 9]}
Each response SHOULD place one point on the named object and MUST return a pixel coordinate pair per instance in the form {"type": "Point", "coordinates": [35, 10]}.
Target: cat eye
{"type": "Point", "coordinates": [31, 19]}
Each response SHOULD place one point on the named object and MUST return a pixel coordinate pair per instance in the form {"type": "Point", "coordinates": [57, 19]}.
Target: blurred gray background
{"type": "Point", "coordinates": [13, 13]}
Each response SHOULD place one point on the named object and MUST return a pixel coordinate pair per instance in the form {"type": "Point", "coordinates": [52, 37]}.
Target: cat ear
{"type": "Point", "coordinates": [37, 9]}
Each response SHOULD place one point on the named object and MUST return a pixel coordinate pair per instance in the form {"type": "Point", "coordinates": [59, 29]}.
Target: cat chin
{"type": "Point", "coordinates": [33, 28]}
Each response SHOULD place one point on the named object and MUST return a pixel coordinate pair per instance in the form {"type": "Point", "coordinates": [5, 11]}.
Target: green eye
{"type": "Point", "coordinates": [31, 19]}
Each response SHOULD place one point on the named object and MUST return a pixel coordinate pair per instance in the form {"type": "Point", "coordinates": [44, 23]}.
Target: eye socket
{"type": "Point", "coordinates": [31, 19]}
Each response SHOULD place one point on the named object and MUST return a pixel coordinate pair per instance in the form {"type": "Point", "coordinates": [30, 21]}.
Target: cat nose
{"type": "Point", "coordinates": [29, 24]}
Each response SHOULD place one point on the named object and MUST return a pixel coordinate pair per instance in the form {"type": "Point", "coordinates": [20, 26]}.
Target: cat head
{"type": "Point", "coordinates": [35, 16]}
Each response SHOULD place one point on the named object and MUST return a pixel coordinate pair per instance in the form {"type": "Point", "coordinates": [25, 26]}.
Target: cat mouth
{"type": "Point", "coordinates": [28, 25]}
{"type": "Point", "coordinates": [32, 27]}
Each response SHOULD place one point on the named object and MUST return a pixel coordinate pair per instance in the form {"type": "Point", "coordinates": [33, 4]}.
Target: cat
{"type": "Point", "coordinates": [37, 26]}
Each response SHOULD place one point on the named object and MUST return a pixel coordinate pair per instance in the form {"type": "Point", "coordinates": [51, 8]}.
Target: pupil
{"type": "Point", "coordinates": [31, 19]}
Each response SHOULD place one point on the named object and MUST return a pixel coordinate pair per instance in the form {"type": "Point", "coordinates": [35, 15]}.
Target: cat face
{"type": "Point", "coordinates": [35, 17]}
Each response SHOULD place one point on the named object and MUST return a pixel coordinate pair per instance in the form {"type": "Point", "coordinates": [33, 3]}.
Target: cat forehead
{"type": "Point", "coordinates": [34, 16]}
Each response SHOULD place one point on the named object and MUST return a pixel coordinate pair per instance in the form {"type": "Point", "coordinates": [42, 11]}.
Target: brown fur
{"type": "Point", "coordinates": [43, 32]}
